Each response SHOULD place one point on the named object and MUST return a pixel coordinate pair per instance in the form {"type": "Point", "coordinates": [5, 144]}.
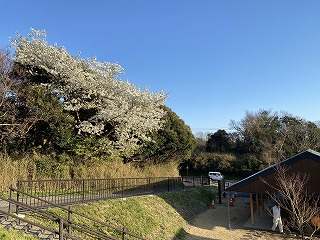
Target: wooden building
{"type": "Point", "coordinates": [305, 162]}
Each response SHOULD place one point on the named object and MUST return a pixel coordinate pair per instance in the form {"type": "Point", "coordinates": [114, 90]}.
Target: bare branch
{"type": "Point", "coordinates": [292, 194]}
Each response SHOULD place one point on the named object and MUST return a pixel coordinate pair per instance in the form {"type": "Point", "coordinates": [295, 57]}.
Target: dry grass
{"type": "Point", "coordinates": [12, 170]}
{"type": "Point", "coordinates": [45, 167]}
{"type": "Point", "coordinates": [116, 169]}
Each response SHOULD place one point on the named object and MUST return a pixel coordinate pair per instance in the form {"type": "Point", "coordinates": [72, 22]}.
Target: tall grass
{"type": "Point", "coordinates": [12, 170]}
{"type": "Point", "coordinates": [47, 167]}
{"type": "Point", "coordinates": [116, 169]}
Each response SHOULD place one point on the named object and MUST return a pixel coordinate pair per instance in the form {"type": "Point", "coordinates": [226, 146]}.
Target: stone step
{"type": "Point", "coordinates": [27, 228]}
{"type": "Point", "coordinates": [36, 231]}
{"type": "Point", "coordinates": [9, 223]}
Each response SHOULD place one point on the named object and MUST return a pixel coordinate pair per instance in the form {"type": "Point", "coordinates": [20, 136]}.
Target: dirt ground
{"type": "Point", "coordinates": [214, 224]}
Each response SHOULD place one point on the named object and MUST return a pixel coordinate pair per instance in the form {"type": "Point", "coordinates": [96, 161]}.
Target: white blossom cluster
{"type": "Point", "coordinates": [87, 84]}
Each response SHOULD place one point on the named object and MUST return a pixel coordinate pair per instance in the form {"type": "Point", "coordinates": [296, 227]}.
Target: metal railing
{"type": "Point", "coordinates": [54, 218]}
{"type": "Point", "coordinates": [193, 181]}
{"type": "Point", "coordinates": [58, 232]}
{"type": "Point", "coordinates": [68, 221]}
{"type": "Point", "coordinates": [41, 194]}
{"type": "Point", "coordinates": [84, 190]}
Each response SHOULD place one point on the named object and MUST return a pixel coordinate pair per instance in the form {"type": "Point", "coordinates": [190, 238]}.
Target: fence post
{"type": "Point", "coordinates": [124, 233]}
{"type": "Point", "coordinates": [83, 189]}
{"type": "Point", "coordinates": [183, 187]}
{"type": "Point", "coordinates": [219, 190]}
{"type": "Point", "coordinates": [18, 195]}
{"type": "Point", "coordinates": [9, 209]}
{"type": "Point", "coordinates": [69, 219]}
{"type": "Point", "coordinates": [122, 191]}
{"type": "Point", "coordinates": [149, 186]}
{"type": "Point", "coordinates": [60, 229]}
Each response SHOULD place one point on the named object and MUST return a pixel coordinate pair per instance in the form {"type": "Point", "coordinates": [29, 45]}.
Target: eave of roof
{"type": "Point", "coordinates": [311, 154]}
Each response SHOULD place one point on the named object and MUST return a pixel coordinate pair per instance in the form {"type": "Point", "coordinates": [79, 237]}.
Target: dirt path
{"type": "Point", "coordinates": [214, 224]}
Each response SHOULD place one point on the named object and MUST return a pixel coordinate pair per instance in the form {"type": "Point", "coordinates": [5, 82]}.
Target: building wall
{"type": "Point", "coordinates": [306, 165]}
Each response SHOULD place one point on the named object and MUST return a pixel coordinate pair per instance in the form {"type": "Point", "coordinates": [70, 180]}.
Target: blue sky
{"type": "Point", "coordinates": [217, 59]}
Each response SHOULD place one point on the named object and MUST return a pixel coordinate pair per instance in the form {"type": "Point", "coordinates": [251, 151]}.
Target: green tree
{"type": "Point", "coordinates": [54, 130]}
{"type": "Point", "coordinates": [21, 107]}
{"type": "Point", "coordinates": [173, 142]}
{"type": "Point", "coordinates": [220, 141]}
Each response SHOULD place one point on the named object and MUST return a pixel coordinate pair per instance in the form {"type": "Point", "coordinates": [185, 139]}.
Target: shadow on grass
{"type": "Point", "coordinates": [182, 233]}
{"type": "Point", "coordinates": [191, 202]}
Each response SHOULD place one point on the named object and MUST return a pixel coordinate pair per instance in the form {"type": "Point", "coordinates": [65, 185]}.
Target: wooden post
{"type": "Point", "coordinates": [251, 207]}
{"type": "Point", "coordinates": [257, 203]}
{"type": "Point", "coordinates": [262, 201]}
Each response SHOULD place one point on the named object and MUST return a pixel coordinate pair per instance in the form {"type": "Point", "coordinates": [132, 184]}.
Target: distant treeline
{"type": "Point", "coordinates": [260, 139]}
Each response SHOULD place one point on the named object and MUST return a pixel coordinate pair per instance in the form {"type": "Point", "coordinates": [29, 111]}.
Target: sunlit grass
{"type": "Point", "coordinates": [161, 216]}
{"type": "Point", "coordinates": [14, 235]}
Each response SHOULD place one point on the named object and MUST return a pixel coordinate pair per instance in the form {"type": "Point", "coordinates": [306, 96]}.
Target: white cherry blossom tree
{"type": "Point", "coordinates": [103, 104]}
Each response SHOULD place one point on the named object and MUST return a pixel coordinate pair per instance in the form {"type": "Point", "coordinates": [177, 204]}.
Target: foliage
{"type": "Point", "coordinates": [261, 133]}
{"type": "Point", "coordinates": [220, 141]}
{"type": "Point", "coordinates": [247, 164]}
{"type": "Point", "coordinates": [257, 141]}
{"type": "Point", "coordinates": [49, 167]}
{"type": "Point", "coordinates": [31, 117]}
{"type": "Point", "coordinates": [51, 132]}
{"type": "Point", "coordinates": [200, 145]}
{"type": "Point", "coordinates": [173, 142]}
{"type": "Point", "coordinates": [299, 135]}
{"type": "Point", "coordinates": [204, 162]}
{"type": "Point", "coordinates": [16, 116]}
{"type": "Point", "coordinates": [91, 92]}
{"type": "Point", "coordinates": [273, 137]}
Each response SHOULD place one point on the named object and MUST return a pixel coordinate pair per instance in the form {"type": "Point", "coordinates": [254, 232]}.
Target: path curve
{"type": "Point", "coordinates": [214, 224]}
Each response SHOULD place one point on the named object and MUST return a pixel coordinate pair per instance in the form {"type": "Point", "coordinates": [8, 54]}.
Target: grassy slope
{"type": "Point", "coordinates": [161, 216]}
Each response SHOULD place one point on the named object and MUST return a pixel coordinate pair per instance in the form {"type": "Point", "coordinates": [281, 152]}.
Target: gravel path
{"type": "Point", "coordinates": [214, 224]}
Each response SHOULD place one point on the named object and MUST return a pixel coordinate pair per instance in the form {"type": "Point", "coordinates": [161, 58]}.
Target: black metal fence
{"type": "Point", "coordinates": [43, 193]}
{"type": "Point", "coordinates": [193, 181]}
{"type": "Point", "coordinates": [84, 190]}
{"type": "Point", "coordinates": [71, 221]}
